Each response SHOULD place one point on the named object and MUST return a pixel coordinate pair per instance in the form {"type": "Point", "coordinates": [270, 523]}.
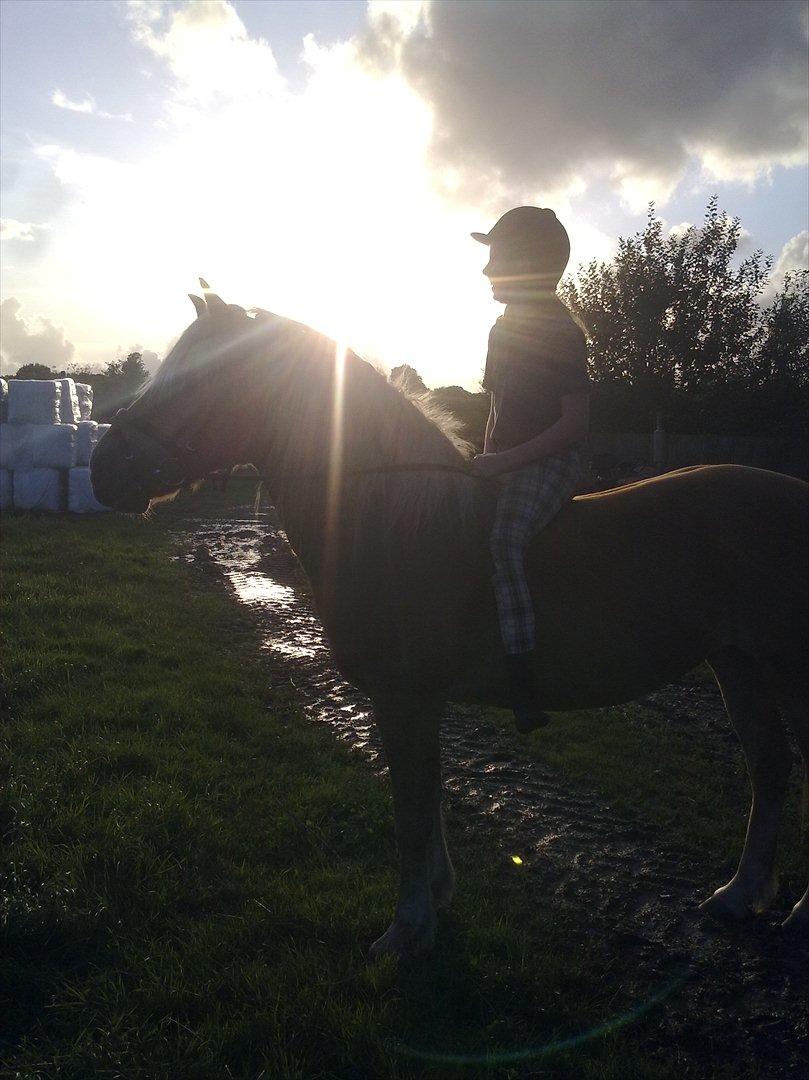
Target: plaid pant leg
{"type": "Point", "coordinates": [528, 499]}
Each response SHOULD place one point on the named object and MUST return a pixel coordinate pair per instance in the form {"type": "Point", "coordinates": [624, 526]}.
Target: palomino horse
{"type": "Point", "coordinates": [633, 587]}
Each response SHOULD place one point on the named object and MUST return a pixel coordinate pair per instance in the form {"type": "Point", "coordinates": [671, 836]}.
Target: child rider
{"type": "Point", "coordinates": [536, 374]}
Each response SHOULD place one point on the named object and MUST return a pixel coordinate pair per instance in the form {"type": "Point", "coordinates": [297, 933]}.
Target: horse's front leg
{"type": "Point", "coordinates": [410, 736]}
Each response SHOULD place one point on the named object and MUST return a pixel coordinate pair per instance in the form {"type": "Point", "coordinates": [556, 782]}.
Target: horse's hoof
{"type": "Point", "coordinates": [724, 908]}
{"type": "Point", "coordinates": [403, 941]}
{"type": "Point", "coordinates": [797, 922]}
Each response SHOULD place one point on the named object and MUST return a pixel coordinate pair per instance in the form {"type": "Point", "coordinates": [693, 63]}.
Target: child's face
{"type": "Point", "coordinates": [516, 275]}
{"type": "Point", "coordinates": [508, 271]}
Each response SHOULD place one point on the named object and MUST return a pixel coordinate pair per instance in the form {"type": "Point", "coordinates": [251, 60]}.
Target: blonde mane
{"type": "Point", "coordinates": [383, 423]}
{"type": "Point", "coordinates": [446, 422]}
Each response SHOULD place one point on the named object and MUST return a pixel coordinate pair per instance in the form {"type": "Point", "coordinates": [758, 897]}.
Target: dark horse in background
{"type": "Point", "coordinates": [633, 587]}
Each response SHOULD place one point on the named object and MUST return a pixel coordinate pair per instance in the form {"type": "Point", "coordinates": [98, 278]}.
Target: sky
{"type": "Point", "coordinates": [328, 160]}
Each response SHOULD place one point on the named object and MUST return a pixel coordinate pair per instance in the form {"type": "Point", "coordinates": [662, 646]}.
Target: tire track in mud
{"type": "Point", "coordinates": [738, 993]}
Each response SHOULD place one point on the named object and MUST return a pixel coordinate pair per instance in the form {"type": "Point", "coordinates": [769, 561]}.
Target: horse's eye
{"type": "Point", "coordinates": [129, 456]}
{"type": "Point", "coordinates": [192, 449]}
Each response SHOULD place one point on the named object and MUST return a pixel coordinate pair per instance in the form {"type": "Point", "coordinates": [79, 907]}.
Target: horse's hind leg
{"type": "Point", "coordinates": [752, 710]}
{"type": "Point", "coordinates": [792, 684]}
{"type": "Point", "coordinates": [442, 872]}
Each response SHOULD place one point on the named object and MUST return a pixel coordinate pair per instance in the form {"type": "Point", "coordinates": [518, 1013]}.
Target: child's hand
{"type": "Point", "coordinates": [488, 465]}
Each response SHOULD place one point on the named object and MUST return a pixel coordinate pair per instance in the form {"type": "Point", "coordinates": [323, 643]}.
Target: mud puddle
{"type": "Point", "coordinates": [726, 994]}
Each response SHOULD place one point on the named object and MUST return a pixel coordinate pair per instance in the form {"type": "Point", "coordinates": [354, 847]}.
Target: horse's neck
{"type": "Point", "coordinates": [324, 447]}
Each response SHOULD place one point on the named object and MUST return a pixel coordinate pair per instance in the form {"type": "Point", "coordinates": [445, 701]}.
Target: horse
{"type": "Point", "coordinates": [633, 587]}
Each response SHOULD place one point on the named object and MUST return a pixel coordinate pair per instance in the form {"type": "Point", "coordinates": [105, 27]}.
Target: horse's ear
{"type": "Point", "coordinates": [199, 304]}
{"type": "Point", "coordinates": [214, 302]}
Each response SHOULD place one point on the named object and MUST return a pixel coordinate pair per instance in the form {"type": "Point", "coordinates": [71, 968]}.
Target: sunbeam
{"type": "Point", "coordinates": [335, 468]}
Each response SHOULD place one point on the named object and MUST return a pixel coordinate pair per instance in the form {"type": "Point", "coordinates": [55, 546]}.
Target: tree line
{"type": "Point", "coordinates": [676, 327]}
{"type": "Point", "coordinates": [114, 387]}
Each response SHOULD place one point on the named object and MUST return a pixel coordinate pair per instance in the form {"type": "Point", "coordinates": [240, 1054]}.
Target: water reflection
{"type": "Point", "coordinates": [258, 588]}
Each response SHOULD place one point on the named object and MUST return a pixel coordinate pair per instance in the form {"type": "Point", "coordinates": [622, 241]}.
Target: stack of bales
{"type": "Point", "coordinates": [46, 438]}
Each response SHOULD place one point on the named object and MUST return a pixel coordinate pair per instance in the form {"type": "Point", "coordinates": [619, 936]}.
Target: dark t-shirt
{"type": "Point", "coordinates": [536, 355]}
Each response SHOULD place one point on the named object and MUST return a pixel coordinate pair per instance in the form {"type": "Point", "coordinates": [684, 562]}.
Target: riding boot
{"type": "Point", "coordinates": [525, 693]}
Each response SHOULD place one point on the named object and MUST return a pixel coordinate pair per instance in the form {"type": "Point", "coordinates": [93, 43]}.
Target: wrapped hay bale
{"type": "Point", "coordinates": [39, 489]}
{"type": "Point", "coordinates": [3, 400]}
{"type": "Point", "coordinates": [6, 496]}
{"type": "Point", "coordinates": [53, 446]}
{"type": "Point", "coordinates": [84, 392]}
{"type": "Point", "coordinates": [69, 412]}
{"type": "Point", "coordinates": [86, 437]}
{"type": "Point", "coordinates": [101, 430]}
{"type": "Point", "coordinates": [16, 447]}
{"type": "Point", "coordinates": [33, 401]}
{"type": "Point", "coordinates": [80, 497]}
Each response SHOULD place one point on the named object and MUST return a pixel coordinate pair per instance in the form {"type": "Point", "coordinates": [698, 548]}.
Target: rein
{"type": "Point", "coordinates": [171, 463]}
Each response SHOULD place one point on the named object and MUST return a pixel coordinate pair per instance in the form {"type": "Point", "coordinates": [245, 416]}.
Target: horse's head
{"type": "Point", "coordinates": [198, 414]}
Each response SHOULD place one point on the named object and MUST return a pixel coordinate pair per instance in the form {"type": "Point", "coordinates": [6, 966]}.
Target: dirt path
{"type": "Point", "coordinates": [729, 994]}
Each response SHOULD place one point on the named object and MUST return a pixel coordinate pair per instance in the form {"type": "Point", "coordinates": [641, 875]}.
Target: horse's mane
{"type": "Point", "coordinates": [446, 422]}
{"type": "Point", "coordinates": [182, 354]}
{"type": "Point", "coordinates": [384, 423]}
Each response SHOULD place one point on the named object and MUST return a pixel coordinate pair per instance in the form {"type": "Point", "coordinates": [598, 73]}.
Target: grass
{"type": "Point", "coordinates": [193, 872]}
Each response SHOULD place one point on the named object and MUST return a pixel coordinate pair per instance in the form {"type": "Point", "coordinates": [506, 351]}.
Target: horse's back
{"type": "Point", "coordinates": [665, 568]}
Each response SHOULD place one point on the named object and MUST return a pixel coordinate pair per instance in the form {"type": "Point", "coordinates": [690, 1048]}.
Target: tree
{"type": "Point", "coordinates": [34, 371]}
{"type": "Point", "coordinates": [131, 371]}
{"type": "Point", "coordinates": [675, 327]}
{"type": "Point", "coordinates": [408, 379]}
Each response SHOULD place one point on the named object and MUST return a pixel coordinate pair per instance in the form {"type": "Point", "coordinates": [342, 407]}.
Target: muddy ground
{"type": "Point", "coordinates": [728, 993]}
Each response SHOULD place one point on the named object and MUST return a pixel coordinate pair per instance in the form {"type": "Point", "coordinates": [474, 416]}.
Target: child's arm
{"type": "Point", "coordinates": [489, 425]}
{"type": "Point", "coordinates": [570, 428]}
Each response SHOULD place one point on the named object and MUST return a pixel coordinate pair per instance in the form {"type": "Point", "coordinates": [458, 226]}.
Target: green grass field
{"type": "Point", "coordinates": [193, 872]}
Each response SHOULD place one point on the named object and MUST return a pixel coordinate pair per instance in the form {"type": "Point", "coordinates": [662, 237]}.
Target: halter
{"type": "Point", "coordinates": [170, 463]}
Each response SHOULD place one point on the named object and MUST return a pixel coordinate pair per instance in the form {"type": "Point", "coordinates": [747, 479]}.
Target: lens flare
{"type": "Point", "coordinates": [571, 1042]}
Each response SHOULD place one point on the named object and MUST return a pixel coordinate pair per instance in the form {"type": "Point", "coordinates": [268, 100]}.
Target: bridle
{"type": "Point", "coordinates": [168, 462]}
{"type": "Point", "coordinates": [171, 463]}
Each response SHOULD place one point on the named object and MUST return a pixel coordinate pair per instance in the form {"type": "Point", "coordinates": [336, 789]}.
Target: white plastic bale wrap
{"type": "Point", "coordinates": [16, 446]}
{"type": "Point", "coordinates": [3, 401]}
{"type": "Point", "coordinates": [53, 446]}
{"type": "Point", "coordinates": [80, 499]}
{"type": "Point", "coordinates": [6, 490]}
{"type": "Point", "coordinates": [86, 436]}
{"type": "Point", "coordinates": [84, 392]}
{"type": "Point", "coordinates": [69, 412]}
{"type": "Point", "coordinates": [33, 401]}
{"type": "Point", "coordinates": [101, 430]}
{"type": "Point", "coordinates": [39, 489]}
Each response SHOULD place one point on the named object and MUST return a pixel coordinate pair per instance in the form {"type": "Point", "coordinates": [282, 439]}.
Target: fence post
{"type": "Point", "coordinates": [659, 443]}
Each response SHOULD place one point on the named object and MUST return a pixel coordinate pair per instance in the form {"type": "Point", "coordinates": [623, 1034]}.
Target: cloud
{"type": "Point", "coordinates": [316, 203]}
{"type": "Point", "coordinates": [208, 49]}
{"type": "Point", "coordinates": [794, 256]}
{"type": "Point", "coordinates": [680, 229]}
{"type": "Point", "coordinates": [21, 344]}
{"type": "Point", "coordinates": [87, 105]}
{"type": "Point", "coordinates": [533, 96]}
{"type": "Point", "coordinates": [21, 230]}
{"type": "Point", "coordinates": [62, 101]}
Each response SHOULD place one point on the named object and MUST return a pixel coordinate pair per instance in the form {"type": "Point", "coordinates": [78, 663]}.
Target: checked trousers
{"type": "Point", "coordinates": [527, 500]}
